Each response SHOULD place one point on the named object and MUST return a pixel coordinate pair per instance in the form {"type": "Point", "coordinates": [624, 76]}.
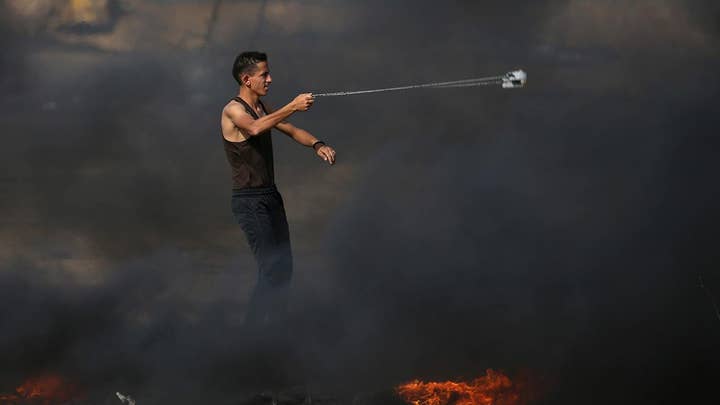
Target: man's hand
{"type": "Point", "coordinates": [326, 153]}
{"type": "Point", "coordinates": [302, 102]}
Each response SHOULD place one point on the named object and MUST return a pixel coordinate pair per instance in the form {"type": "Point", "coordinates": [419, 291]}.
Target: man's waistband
{"type": "Point", "coordinates": [253, 191]}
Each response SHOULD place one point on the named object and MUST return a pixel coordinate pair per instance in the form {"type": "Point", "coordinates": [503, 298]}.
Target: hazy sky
{"type": "Point", "coordinates": [559, 230]}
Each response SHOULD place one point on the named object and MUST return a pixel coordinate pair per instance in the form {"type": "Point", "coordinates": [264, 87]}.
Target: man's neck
{"type": "Point", "coordinates": [249, 96]}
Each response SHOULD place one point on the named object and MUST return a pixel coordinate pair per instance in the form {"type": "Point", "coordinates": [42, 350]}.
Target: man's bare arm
{"type": "Point", "coordinates": [254, 127]}
{"type": "Point", "coordinates": [300, 135]}
{"type": "Point", "coordinates": [305, 138]}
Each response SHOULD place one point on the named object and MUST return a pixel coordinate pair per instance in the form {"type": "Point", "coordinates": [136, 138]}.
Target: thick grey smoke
{"type": "Point", "coordinates": [558, 230]}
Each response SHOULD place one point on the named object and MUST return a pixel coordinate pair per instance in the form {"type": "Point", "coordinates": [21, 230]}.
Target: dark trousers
{"type": "Point", "coordinates": [261, 214]}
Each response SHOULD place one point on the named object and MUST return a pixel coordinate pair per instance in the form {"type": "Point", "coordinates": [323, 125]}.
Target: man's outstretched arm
{"type": "Point", "coordinates": [305, 138]}
{"type": "Point", "coordinates": [254, 127]}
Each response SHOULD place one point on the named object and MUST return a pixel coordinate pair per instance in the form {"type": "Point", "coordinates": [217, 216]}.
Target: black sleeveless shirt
{"type": "Point", "coordinates": [252, 159]}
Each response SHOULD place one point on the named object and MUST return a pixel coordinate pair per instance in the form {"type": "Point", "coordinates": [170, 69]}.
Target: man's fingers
{"type": "Point", "coordinates": [327, 156]}
{"type": "Point", "coordinates": [330, 154]}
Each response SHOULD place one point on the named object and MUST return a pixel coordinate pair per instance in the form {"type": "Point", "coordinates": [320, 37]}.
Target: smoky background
{"type": "Point", "coordinates": [559, 230]}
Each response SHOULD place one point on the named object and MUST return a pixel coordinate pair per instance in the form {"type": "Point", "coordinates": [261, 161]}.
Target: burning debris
{"type": "Point", "coordinates": [494, 388]}
{"type": "Point", "coordinates": [47, 390]}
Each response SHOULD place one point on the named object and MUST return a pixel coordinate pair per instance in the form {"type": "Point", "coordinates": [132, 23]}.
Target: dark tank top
{"type": "Point", "coordinates": [252, 159]}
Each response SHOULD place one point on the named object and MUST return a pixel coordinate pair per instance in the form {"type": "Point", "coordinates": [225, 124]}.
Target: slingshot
{"type": "Point", "coordinates": [510, 80]}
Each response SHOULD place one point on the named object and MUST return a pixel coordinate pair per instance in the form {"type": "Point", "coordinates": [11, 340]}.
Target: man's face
{"type": "Point", "coordinates": [259, 81]}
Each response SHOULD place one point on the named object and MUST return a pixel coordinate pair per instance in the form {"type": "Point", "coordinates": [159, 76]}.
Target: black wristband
{"type": "Point", "coordinates": [318, 142]}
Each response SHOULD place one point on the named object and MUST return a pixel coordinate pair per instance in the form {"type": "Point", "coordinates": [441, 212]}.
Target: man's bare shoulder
{"type": "Point", "coordinates": [233, 109]}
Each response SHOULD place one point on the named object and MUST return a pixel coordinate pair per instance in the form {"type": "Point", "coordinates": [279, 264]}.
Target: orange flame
{"type": "Point", "coordinates": [47, 390]}
{"type": "Point", "coordinates": [492, 389]}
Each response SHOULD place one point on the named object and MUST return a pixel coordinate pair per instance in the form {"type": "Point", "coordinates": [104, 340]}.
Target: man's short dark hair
{"type": "Point", "coordinates": [246, 63]}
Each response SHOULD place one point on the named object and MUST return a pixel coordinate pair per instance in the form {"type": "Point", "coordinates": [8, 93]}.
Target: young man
{"type": "Point", "coordinates": [256, 203]}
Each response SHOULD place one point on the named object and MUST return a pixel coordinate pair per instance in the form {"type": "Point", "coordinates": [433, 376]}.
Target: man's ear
{"type": "Point", "coordinates": [245, 79]}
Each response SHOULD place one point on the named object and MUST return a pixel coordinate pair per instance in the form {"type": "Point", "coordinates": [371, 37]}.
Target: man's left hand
{"type": "Point", "coordinates": [326, 153]}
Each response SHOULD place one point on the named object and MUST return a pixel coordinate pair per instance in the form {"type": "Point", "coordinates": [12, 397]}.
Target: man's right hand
{"type": "Point", "coordinates": [302, 102]}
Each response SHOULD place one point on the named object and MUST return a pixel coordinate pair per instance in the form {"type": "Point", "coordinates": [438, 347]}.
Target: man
{"type": "Point", "coordinates": [256, 203]}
